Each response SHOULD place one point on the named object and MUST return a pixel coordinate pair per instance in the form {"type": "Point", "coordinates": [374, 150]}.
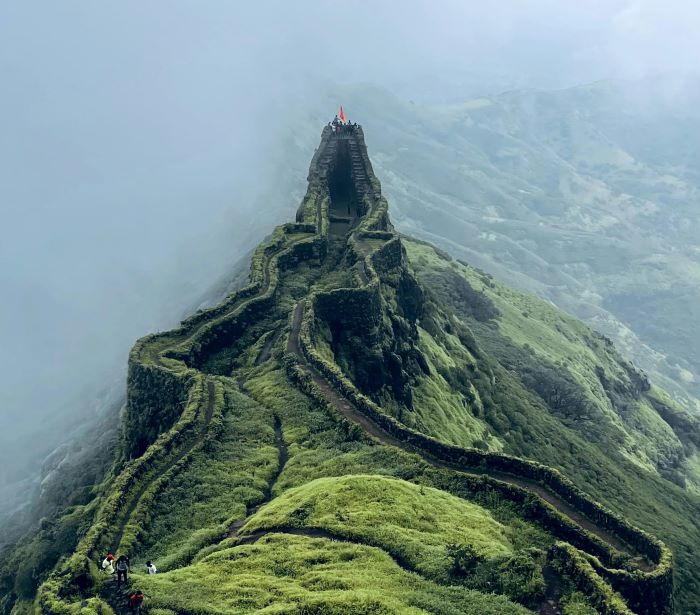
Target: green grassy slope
{"type": "Point", "coordinates": [298, 574]}
{"type": "Point", "coordinates": [188, 529]}
{"type": "Point", "coordinates": [423, 520]}
{"type": "Point", "coordinates": [585, 196]}
{"type": "Point", "coordinates": [567, 398]}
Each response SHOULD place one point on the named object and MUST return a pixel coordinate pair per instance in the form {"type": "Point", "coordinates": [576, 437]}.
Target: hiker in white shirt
{"type": "Point", "coordinates": [108, 564]}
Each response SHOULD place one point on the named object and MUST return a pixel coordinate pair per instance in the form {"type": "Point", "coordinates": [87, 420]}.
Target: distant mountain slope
{"type": "Point", "coordinates": [584, 384]}
{"type": "Point", "coordinates": [587, 197]}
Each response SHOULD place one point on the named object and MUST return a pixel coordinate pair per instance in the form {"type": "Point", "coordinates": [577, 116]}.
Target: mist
{"type": "Point", "coordinates": [146, 147]}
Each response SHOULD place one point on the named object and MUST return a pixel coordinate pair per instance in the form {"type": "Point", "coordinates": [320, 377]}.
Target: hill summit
{"type": "Point", "coordinates": [369, 426]}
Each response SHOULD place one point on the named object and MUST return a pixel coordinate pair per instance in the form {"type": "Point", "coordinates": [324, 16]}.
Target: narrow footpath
{"type": "Point", "coordinates": [350, 411]}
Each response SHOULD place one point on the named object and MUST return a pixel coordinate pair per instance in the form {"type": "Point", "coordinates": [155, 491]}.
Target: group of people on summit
{"type": "Point", "coordinates": [338, 127]}
{"type": "Point", "coordinates": [340, 123]}
{"type": "Point", "coordinates": [121, 567]}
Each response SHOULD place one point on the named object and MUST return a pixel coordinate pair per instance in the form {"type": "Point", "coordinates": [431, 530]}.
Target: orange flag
{"type": "Point", "coordinates": [341, 115]}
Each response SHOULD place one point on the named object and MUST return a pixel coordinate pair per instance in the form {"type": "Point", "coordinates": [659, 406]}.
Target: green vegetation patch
{"type": "Point", "coordinates": [439, 408]}
{"type": "Point", "coordinates": [215, 488]}
{"type": "Point", "coordinates": [412, 521]}
{"type": "Point", "coordinates": [298, 574]}
{"type": "Point", "coordinates": [566, 398]}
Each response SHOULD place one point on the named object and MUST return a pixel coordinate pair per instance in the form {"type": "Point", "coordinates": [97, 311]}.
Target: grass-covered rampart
{"type": "Point", "coordinates": [131, 491]}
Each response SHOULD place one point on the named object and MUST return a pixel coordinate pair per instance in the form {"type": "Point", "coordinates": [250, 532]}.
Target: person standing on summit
{"type": "Point", "coordinates": [340, 122]}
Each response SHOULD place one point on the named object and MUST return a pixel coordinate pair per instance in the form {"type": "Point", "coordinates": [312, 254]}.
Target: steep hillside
{"type": "Point", "coordinates": [586, 197]}
{"type": "Point", "coordinates": [565, 397]}
{"type": "Point", "coordinates": [569, 372]}
{"type": "Point", "coordinates": [352, 432]}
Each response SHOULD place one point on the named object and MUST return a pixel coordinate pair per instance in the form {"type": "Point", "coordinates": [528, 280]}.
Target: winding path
{"type": "Point", "coordinates": [315, 532]}
{"type": "Point", "coordinates": [269, 345]}
{"type": "Point", "coordinates": [351, 412]}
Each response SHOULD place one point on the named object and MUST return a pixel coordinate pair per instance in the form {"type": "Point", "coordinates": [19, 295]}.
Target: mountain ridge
{"type": "Point", "coordinates": [228, 397]}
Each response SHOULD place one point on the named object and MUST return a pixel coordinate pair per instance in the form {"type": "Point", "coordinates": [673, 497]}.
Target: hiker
{"type": "Point", "coordinates": [122, 570]}
{"type": "Point", "coordinates": [108, 564]}
{"type": "Point", "coordinates": [151, 567]}
{"type": "Point", "coordinates": [135, 601]}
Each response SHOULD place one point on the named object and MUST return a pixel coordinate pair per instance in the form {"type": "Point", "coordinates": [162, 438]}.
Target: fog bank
{"type": "Point", "coordinates": [147, 146]}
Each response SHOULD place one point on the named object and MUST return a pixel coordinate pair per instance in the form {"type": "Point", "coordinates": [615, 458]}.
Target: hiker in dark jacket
{"type": "Point", "coordinates": [122, 568]}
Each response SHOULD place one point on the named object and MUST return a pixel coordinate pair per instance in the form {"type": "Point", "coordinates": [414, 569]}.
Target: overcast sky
{"type": "Point", "coordinates": [139, 137]}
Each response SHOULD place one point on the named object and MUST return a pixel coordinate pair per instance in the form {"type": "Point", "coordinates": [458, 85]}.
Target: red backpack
{"type": "Point", "coordinates": [136, 599]}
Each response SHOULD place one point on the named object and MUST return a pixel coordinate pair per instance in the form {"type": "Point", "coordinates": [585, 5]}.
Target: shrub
{"type": "Point", "coordinates": [463, 559]}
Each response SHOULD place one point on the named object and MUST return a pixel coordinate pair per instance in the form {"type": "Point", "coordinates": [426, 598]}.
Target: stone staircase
{"type": "Point", "coordinates": [359, 173]}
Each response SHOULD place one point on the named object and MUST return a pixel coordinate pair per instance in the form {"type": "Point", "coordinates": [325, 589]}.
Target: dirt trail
{"type": "Point", "coordinates": [311, 532]}
{"type": "Point", "coordinates": [267, 348]}
{"type": "Point", "coordinates": [339, 403]}
{"type": "Point", "coordinates": [349, 411]}
{"type": "Point", "coordinates": [361, 271]}
{"type": "Point", "coordinates": [555, 589]}
{"type": "Point", "coordinates": [315, 532]}
{"type": "Point", "coordinates": [209, 412]}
